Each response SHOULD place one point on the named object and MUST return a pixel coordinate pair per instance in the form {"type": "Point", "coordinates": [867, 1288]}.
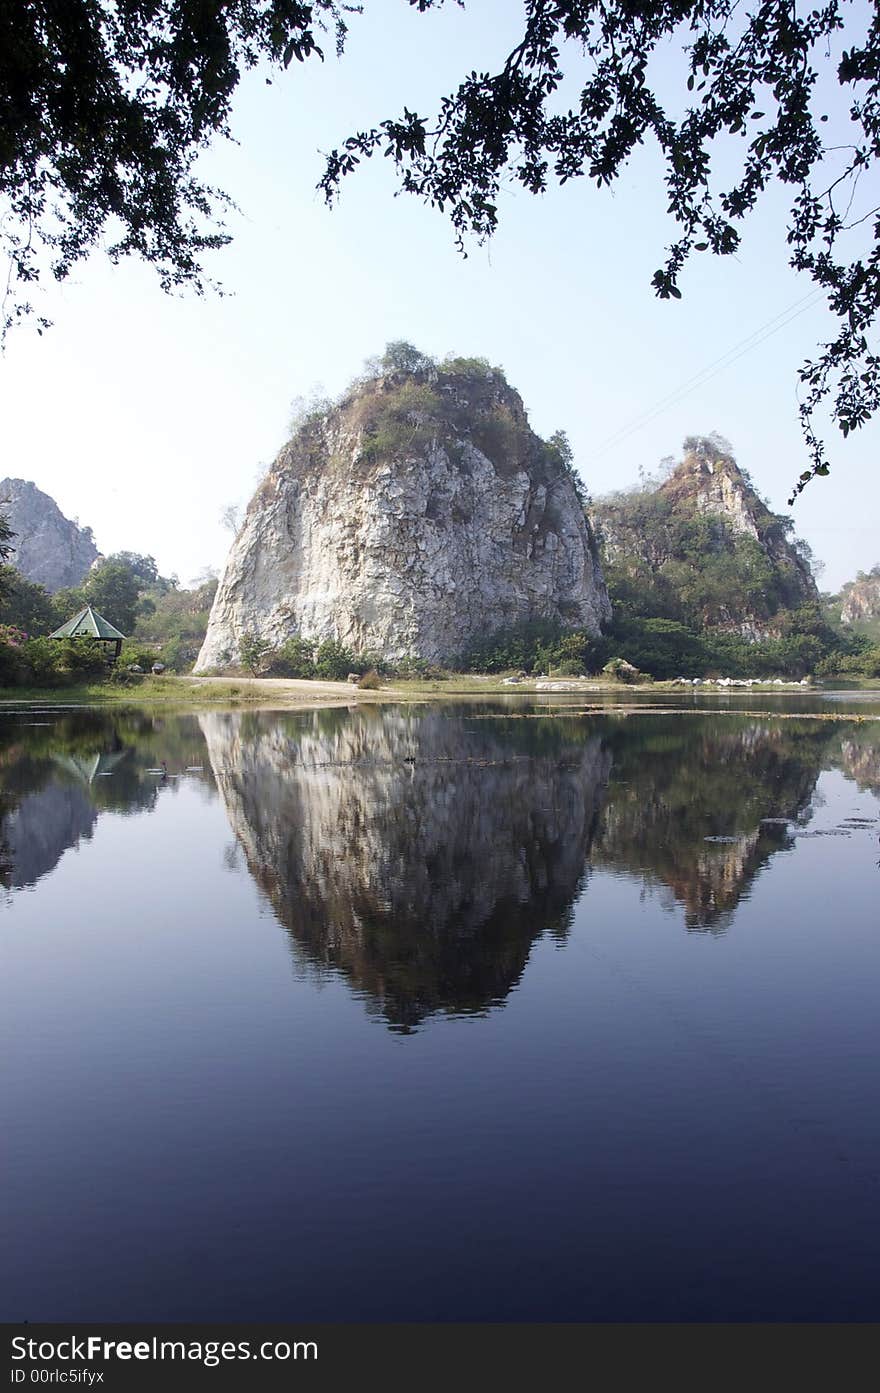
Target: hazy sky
{"type": "Point", "coordinates": [145, 415]}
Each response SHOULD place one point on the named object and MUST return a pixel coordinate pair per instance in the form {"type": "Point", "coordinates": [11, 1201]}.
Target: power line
{"type": "Point", "coordinates": [739, 350]}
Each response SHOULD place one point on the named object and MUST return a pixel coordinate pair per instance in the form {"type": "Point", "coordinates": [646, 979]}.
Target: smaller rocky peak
{"type": "Point", "coordinates": [698, 544]}
{"type": "Point", "coordinates": [708, 480]}
{"type": "Point", "coordinates": [48, 548]}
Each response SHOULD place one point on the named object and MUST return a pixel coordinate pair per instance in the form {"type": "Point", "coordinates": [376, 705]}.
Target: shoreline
{"type": "Point", "coordinates": [280, 693]}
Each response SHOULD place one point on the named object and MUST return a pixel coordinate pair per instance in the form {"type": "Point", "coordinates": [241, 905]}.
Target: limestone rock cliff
{"type": "Point", "coordinates": [50, 549]}
{"type": "Point", "coordinates": [859, 759]}
{"type": "Point", "coordinates": [701, 546]}
{"type": "Point", "coordinates": [418, 514]}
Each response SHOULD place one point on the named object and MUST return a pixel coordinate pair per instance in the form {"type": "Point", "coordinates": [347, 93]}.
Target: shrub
{"type": "Point", "coordinates": [871, 662]}
{"type": "Point", "coordinates": [534, 647]}
{"type": "Point", "coordinates": [662, 647]}
{"type": "Point", "coordinates": [622, 671]}
{"type": "Point", "coordinates": [415, 669]}
{"type": "Point", "coordinates": [370, 682]}
{"type": "Point", "coordinates": [121, 677]}
{"type": "Point", "coordinates": [333, 661]}
{"type": "Point", "coordinates": [41, 659]}
{"type": "Point", "coordinates": [453, 366]}
{"type": "Point", "coordinates": [295, 658]}
{"type": "Point", "coordinates": [400, 421]}
{"type": "Point", "coordinates": [499, 436]}
{"type": "Point", "coordinates": [864, 663]}
{"type": "Point", "coordinates": [179, 654]}
{"type": "Point", "coordinates": [12, 665]}
{"type": "Point", "coordinates": [82, 657]}
{"type": "Point", "coordinates": [519, 646]}
{"type": "Point", "coordinates": [372, 659]}
{"type": "Point", "coordinates": [253, 650]}
{"type": "Point", "coordinates": [401, 356]}
{"type": "Point", "coordinates": [558, 450]}
{"type": "Point", "coordinates": [143, 657]}
{"type": "Point", "coordinates": [46, 662]}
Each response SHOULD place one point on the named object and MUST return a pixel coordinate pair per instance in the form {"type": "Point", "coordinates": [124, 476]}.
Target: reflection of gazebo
{"type": "Point", "coordinates": [90, 767]}
{"type": "Point", "coordinates": [90, 624]}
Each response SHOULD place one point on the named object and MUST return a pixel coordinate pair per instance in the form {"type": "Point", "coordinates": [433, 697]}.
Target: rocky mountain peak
{"type": "Point", "coordinates": [415, 515]}
{"type": "Point", "coordinates": [710, 481]}
{"type": "Point", "coordinates": [49, 548]}
{"type": "Point", "coordinates": [701, 546]}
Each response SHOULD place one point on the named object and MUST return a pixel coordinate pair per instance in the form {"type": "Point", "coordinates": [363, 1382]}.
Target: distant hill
{"type": "Point", "coordinates": [858, 604]}
{"type": "Point", "coordinates": [48, 548]}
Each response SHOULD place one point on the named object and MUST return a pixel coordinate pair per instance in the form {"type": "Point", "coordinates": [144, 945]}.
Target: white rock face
{"type": "Point", "coordinates": [719, 492]}
{"type": "Point", "coordinates": [412, 551]}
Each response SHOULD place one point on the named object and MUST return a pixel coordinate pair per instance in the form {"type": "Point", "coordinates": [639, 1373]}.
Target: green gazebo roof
{"type": "Point", "coordinates": [87, 624]}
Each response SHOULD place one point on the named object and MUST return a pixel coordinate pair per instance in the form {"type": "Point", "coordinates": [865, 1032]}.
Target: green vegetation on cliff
{"type": "Point", "coordinates": [704, 578]}
{"type": "Point", "coordinates": [702, 548]}
{"type": "Point", "coordinates": [405, 400]}
{"type": "Point", "coordinates": [856, 608]}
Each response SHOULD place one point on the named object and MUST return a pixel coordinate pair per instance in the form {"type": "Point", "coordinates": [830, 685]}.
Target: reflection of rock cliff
{"type": "Point", "coordinates": [36, 833]}
{"type": "Point", "coordinates": [676, 790]}
{"type": "Point", "coordinates": [419, 853]}
{"type": "Point", "coordinates": [860, 760]}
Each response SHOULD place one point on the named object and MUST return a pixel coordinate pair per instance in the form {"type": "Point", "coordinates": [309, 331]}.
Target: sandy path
{"type": "Point", "coordinates": [295, 689]}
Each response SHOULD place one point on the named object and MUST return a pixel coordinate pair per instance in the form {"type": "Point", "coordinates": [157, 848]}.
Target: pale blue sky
{"type": "Point", "coordinates": [144, 415]}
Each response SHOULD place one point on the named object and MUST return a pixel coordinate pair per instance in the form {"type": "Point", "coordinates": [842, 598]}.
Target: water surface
{"type": "Point", "coordinates": [494, 1011]}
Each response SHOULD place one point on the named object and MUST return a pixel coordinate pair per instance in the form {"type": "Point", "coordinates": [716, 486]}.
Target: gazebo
{"type": "Point", "coordinates": [90, 624]}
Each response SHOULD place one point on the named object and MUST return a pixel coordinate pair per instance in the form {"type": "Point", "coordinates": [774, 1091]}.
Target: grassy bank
{"type": "Point", "coordinates": [172, 690]}
{"type": "Point", "coordinates": [188, 691]}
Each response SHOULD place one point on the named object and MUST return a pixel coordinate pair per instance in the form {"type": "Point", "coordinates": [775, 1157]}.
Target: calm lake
{"type": "Point", "coordinates": [487, 1011]}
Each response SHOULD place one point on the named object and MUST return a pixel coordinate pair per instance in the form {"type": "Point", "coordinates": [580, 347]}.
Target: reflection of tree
{"type": "Point", "coordinates": [419, 853]}
{"type": "Point", "coordinates": [678, 783]}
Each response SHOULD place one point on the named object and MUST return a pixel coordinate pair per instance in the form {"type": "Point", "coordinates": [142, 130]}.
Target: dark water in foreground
{"type": "Point", "coordinates": [439, 1013]}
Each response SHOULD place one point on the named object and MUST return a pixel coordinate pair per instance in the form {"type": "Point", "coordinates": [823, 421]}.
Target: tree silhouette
{"type": "Point", "coordinates": [763, 78]}
{"type": "Point", "coordinates": [105, 104]}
